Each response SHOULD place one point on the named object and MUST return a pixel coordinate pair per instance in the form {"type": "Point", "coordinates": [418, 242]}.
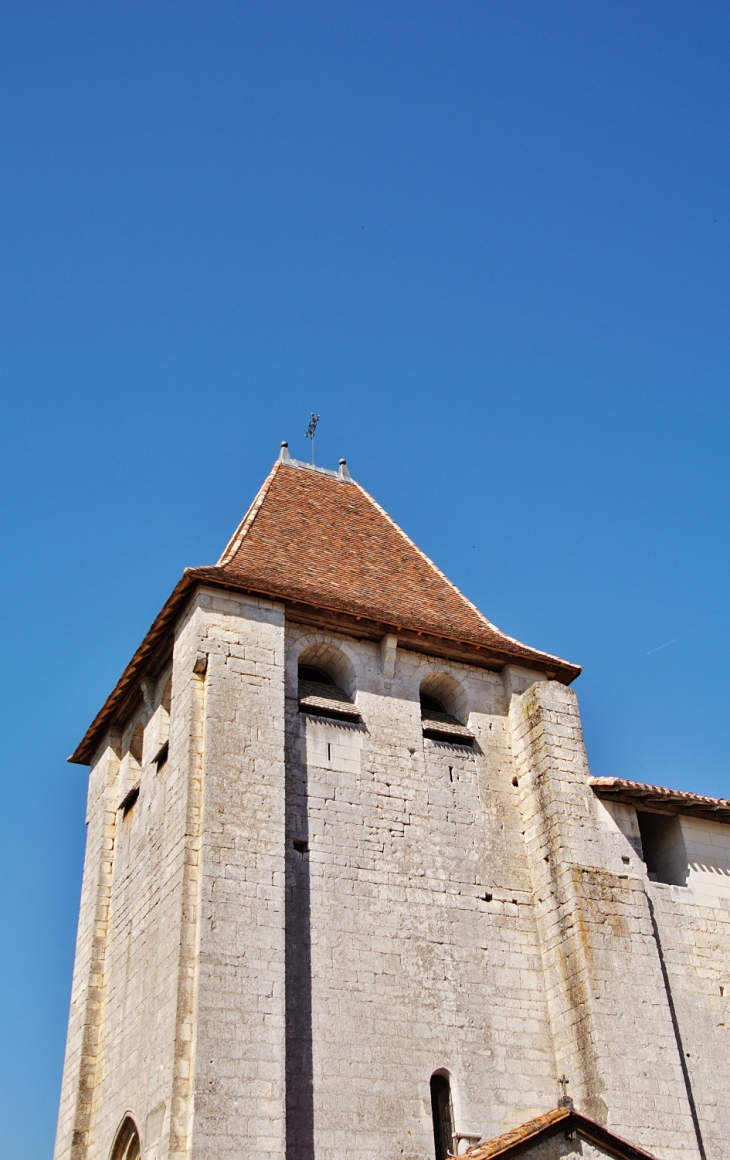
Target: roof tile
{"type": "Point", "coordinates": [316, 538]}
{"type": "Point", "coordinates": [322, 540]}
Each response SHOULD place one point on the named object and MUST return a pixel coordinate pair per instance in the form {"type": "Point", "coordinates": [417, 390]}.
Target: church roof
{"type": "Point", "coordinates": [658, 800]}
{"type": "Point", "coordinates": [315, 540]}
{"type": "Point", "coordinates": [561, 1119]}
{"type": "Point", "coordinates": [321, 539]}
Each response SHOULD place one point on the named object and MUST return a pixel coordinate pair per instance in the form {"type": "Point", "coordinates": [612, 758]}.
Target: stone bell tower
{"type": "Point", "coordinates": [325, 909]}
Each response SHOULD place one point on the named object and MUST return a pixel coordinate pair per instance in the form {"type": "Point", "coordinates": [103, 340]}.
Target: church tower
{"type": "Point", "coordinates": [349, 889]}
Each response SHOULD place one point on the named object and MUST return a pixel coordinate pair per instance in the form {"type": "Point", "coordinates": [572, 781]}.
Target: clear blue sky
{"type": "Point", "coordinates": [487, 241]}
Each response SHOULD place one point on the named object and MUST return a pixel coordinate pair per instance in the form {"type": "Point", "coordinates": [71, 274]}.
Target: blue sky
{"type": "Point", "coordinates": [487, 242]}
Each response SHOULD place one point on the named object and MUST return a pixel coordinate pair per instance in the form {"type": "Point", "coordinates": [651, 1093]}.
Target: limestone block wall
{"type": "Point", "coordinates": [693, 933]}
{"type": "Point", "coordinates": [82, 1044]}
{"type": "Point", "coordinates": [611, 1017]}
{"type": "Point", "coordinates": [239, 1056]}
{"type": "Point", "coordinates": [411, 940]}
{"type": "Point", "coordinates": [294, 922]}
{"type": "Point", "coordinates": [177, 1011]}
{"type": "Point", "coordinates": [140, 873]}
{"type": "Point", "coordinates": [707, 847]}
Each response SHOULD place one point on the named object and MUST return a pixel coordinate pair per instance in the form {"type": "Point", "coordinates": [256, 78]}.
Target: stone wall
{"type": "Point", "coordinates": [412, 943]}
{"type": "Point", "coordinates": [239, 1027]}
{"type": "Point", "coordinates": [611, 1015]}
{"type": "Point", "coordinates": [297, 921]}
{"type": "Point", "coordinates": [692, 935]}
{"type": "Point", "coordinates": [177, 1005]}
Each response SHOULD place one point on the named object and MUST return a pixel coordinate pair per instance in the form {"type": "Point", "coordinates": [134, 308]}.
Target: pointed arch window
{"type": "Point", "coordinates": [443, 1116]}
{"type": "Point", "coordinates": [126, 1145]}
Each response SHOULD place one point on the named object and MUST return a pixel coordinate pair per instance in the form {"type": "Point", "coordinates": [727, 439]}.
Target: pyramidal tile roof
{"type": "Point", "coordinates": [321, 539]}
{"type": "Point", "coordinates": [316, 540]}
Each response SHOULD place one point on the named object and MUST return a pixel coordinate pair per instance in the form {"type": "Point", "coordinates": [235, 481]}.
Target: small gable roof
{"type": "Point", "coordinates": [561, 1119]}
{"type": "Point", "coordinates": [315, 539]}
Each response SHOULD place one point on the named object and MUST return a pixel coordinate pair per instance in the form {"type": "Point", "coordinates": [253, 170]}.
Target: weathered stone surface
{"type": "Point", "coordinates": [299, 920]}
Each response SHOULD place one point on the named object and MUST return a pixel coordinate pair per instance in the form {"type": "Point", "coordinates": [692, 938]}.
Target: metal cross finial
{"type": "Point", "coordinates": [564, 1081]}
{"type": "Point", "coordinates": [309, 433]}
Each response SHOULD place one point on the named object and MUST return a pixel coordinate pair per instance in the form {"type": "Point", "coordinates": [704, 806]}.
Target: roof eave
{"type": "Point", "coordinates": [415, 639]}
{"type": "Point", "coordinates": [163, 624]}
{"type": "Point", "coordinates": [658, 800]}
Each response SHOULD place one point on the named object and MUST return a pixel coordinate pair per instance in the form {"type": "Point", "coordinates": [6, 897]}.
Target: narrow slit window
{"type": "Point", "coordinates": [443, 1116]}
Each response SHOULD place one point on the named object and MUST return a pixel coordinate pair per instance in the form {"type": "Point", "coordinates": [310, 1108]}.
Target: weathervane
{"type": "Point", "coordinates": [309, 433]}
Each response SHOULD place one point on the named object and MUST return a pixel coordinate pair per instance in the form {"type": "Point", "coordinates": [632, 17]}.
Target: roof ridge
{"type": "Point", "coordinates": [442, 575]}
{"type": "Point", "coordinates": [246, 523]}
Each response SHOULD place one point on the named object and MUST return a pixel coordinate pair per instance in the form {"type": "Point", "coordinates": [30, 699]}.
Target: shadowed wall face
{"type": "Point", "coordinates": [408, 926]}
{"type": "Point", "coordinates": [299, 1079]}
{"type": "Point", "coordinates": [663, 847]}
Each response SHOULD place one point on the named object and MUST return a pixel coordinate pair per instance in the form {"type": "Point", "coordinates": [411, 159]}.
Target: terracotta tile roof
{"type": "Point", "coordinates": [499, 1144]}
{"type": "Point", "coordinates": [658, 799]}
{"type": "Point", "coordinates": [315, 539]}
{"type": "Point", "coordinates": [559, 1119]}
{"type": "Point", "coordinates": [322, 540]}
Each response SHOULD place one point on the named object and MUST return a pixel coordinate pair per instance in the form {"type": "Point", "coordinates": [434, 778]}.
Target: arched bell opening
{"type": "Point", "coordinates": [326, 683]}
{"type": "Point", "coordinates": [444, 710]}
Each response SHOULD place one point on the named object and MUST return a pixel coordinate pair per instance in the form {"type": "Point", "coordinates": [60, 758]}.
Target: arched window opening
{"type": "Point", "coordinates": [320, 693]}
{"type": "Point", "coordinates": [440, 696]}
{"type": "Point", "coordinates": [136, 745]}
{"type": "Point", "coordinates": [443, 1116]}
{"type": "Point", "coordinates": [312, 673]}
{"type": "Point", "coordinates": [126, 1145]}
{"type": "Point", "coordinates": [430, 705]}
